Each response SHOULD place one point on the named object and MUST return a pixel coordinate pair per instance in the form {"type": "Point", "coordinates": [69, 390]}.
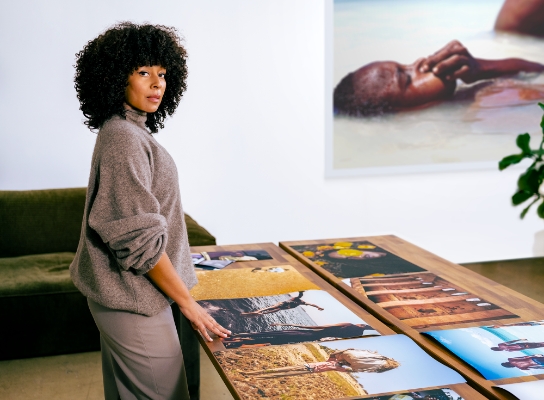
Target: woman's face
{"type": "Point", "coordinates": [145, 88]}
{"type": "Point", "coordinates": [405, 86]}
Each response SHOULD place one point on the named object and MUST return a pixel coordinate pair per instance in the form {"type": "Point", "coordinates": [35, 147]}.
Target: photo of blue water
{"type": "Point", "coordinates": [474, 346]}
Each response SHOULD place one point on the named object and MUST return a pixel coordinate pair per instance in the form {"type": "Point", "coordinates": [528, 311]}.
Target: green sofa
{"type": "Point", "coordinates": [41, 311]}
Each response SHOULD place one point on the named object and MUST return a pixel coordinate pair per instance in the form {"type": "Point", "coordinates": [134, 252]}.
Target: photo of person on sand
{"type": "Point", "coordinates": [338, 369]}
{"type": "Point", "coordinates": [349, 360]}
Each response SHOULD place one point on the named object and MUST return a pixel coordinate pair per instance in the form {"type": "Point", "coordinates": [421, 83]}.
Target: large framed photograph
{"type": "Point", "coordinates": [389, 111]}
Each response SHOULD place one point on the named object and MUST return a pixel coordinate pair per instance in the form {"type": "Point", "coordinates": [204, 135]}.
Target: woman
{"type": "Point", "coordinates": [133, 258]}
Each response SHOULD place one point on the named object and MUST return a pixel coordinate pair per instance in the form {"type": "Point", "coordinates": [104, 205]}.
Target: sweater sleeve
{"type": "Point", "coordinates": [125, 213]}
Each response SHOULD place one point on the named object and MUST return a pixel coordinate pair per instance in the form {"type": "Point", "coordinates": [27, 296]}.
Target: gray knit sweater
{"type": "Point", "coordinates": [132, 215]}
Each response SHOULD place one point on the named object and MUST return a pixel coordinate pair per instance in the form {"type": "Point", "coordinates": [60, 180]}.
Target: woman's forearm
{"type": "Point", "coordinates": [164, 275]}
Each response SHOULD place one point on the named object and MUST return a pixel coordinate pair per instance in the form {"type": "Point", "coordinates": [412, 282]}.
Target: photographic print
{"type": "Point", "coordinates": [213, 264]}
{"type": "Point", "coordinates": [197, 257]}
{"type": "Point", "coordinates": [532, 390]}
{"type": "Point", "coordinates": [413, 87]}
{"type": "Point", "coordinates": [342, 368]}
{"type": "Point", "coordinates": [498, 351]}
{"type": "Point", "coordinates": [423, 299]}
{"type": "Point", "coordinates": [249, 282]}
{"type": "Point", "coordinates": [355, 259]}
{"type": "Point", "coordinates": [303, 316]}
{"type": "Point", "coordinates": [246, 255]}
{"type": "Point", "coordinates": [431, 394]}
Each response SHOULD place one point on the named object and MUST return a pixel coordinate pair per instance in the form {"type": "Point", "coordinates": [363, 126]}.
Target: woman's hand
{"type": "Point", "coordinates": [201, 321]}
{"type": "Point", "coordinates": [453, 61]}
{"type": "Point", "coordinates": [166, 278]}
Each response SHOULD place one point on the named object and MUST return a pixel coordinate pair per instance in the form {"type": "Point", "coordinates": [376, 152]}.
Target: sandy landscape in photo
{"type": "Point", "coordinates": [249, 282]}
{"type": "Point", "coordinates": [318, 386]}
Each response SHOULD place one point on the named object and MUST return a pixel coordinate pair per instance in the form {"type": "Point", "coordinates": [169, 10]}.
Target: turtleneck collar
{"type": "Point", "coordinates": [136, 116]}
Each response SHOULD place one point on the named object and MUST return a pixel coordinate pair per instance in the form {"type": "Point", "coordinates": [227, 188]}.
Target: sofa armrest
{"type": "Point", "coordinates": [198, 236]}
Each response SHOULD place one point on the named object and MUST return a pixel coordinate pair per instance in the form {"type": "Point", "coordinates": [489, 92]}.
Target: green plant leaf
{"type": "Point", "coordinates": [510, 160]}
{"type": "Point", "coordinates": [521, 197]}
{"type": "Point", "coordinates": [522, 215]}
{"type": "Point", "coordinates": [541, 105]}
{"type": "Point", "coordinates": [523, 143]}
{"type": "Point", "coordinates": [529, 181]}
{"type": "Point", "coordinates": [540, 210]}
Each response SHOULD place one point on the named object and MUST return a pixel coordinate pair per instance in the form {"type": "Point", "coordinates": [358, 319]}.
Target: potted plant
{"type": "Point", "coordinates": [530, 181]}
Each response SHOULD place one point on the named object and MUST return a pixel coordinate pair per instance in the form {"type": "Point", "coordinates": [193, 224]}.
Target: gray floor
{"type": "Point", "coordinates": [78, 376]}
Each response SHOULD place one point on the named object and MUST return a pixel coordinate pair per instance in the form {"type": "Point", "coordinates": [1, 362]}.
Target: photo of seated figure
{"type": "Point", "coordinates": [387, 86]}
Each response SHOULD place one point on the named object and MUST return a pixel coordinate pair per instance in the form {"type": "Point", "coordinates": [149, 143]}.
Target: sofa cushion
{"type": "Point", "coordinates": [36, 274]}
{"type": "Point", "coordinates": [48, 273]}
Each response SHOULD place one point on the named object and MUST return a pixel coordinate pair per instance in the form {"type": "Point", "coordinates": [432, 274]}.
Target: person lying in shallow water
{"type": "Point", "coordinates": [387, 86]}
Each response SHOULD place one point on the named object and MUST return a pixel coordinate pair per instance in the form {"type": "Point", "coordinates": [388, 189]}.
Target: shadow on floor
{"type": "Point", "coordinates": [524, 275]}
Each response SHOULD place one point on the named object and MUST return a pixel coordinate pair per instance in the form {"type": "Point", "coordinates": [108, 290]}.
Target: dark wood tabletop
{"type": "Point", "coordinates": [282, 258]}
{"type": "Point", "coordinates": [511, 306]}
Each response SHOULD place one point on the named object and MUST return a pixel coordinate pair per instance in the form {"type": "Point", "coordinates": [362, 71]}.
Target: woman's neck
{"type": "Point", "coordinates": [128, 107]}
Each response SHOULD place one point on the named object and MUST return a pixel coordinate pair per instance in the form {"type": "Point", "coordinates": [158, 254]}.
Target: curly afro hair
{"type": "Point", "coordinates": [104, 64]}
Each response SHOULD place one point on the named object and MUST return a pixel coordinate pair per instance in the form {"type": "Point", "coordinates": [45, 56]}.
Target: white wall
{"type": "Point", "coordinates": [248, 138]}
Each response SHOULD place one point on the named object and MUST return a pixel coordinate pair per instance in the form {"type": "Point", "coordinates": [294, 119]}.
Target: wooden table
{"type": "Point", "coordinates": [511, 301]}
{"type": "Point", "coordinates": [281, 258]}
